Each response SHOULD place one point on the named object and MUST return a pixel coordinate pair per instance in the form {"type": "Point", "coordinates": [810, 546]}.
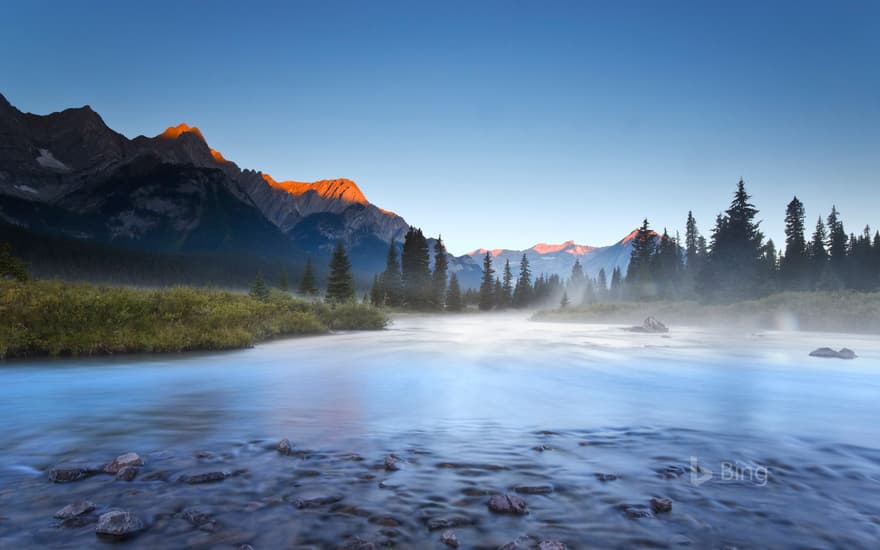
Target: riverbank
{"type": "Point", "coordinates": [57, 318]}
{"type": "Point", "coordinates": [813, 311]}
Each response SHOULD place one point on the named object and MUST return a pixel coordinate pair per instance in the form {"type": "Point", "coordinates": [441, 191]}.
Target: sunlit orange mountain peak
{"type": "Point", "coordinates": [569, 247]}
{"type": "Point", "coordinates": [335, 189]}
{"type": "Point", "coordinates": [495, 252]}
{"type": "Point", "coordinates": [174, 132]}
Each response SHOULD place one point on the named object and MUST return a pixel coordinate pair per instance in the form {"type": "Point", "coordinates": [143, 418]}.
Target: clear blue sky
{"type": "Point", "coordinates": [499, 124]}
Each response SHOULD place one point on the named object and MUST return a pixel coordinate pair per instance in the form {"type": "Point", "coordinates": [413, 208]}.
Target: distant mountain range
{"type": "Point", "coordinates": [71, 185]}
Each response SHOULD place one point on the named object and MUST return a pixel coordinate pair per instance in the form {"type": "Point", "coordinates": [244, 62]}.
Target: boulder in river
{"type": "Point", "coordinates": [66, 475]}
{"type": "Point", "coordinates": [121, 461]}
{"type": "Point", "coordinates": [661, 505]}
{"type": "Point", "coordinates": [551, 545]}
{"type": "Point", "coordinates": [77, 508]}
{"type": "Point", "coordinates": [449, 539]}
{"type": "Point", "coordinates": [508, 504]}
{"type": "Point", "coordinates": [650, 325]}
{"type": "Point", "coordinates": [392, 463]}
{"type": "Point", "coordinates": [206, 477]}
{"type": "Point", "coordinates": [284, 447]}
{"type": "Point", "coordinates": [844, 353]}
{"type": "Point", "coordinates": [118, 523]}
{"type": "Point", "coordinates": [127, 473]}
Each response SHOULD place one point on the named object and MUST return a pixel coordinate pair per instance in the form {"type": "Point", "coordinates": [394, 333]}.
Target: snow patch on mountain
{"type": "Point", "coordinates": [48, 160]}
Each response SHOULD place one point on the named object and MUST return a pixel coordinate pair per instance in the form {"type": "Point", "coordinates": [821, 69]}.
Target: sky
{"type": "Point", "coordinates": [495, 124]}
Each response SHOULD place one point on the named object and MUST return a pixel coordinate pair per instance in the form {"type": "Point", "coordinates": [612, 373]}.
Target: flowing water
{"type": "Point", "coordinates": [756, 444]}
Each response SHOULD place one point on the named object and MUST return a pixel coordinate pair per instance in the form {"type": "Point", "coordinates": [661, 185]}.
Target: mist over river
{"type": "Point", "coordinates": [755, 444]}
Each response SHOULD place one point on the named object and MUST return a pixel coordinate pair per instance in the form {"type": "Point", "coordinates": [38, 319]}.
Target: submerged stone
{"type": "Point", "coordinates": [508, 504]}
{"type": "Point", "coordinates": [118, 523]}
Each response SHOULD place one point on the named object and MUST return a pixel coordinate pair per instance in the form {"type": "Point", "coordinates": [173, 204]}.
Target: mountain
{"type": "Point", "coordinates": [67, 175]}
{"type": "Point", "coordinates": [548, 259]}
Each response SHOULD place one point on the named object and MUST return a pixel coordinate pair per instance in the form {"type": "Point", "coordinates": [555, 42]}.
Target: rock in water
{"type": "Point", "coordinates": [284, 447]}
{"type": "Point", "coordinates": [508, 504]}
{"type": "Point", "coordinates": [650, 325]}
{"type": "Point", "coordinates": [127, 473]}
{"type": "Point", "coordinates": [550, 545]}
{"type": "Point", "coordinates": [661, 505]}
{"type": "Point", "coordinates": [206, 477]}
{"type": "Point", "coordinates": [118, 523]}
{"type": "Point", "coordinates": [76, 509]}
{"type": "Point", "coordinates": [449, 539]}
{"type": "Point", "coordinates": [66, 475]}
{"type": "Point", "coordinates": [392, 463]}
{"type": "Point", "coordinates": [121, 461]}
{"type": "Point", "coordinates": [844, 353]}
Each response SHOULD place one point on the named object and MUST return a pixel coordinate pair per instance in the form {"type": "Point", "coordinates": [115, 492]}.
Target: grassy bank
{"type": "Point", "coordinates": [57, 318]}
{"type": "Point", "coordinates": [817, 311]}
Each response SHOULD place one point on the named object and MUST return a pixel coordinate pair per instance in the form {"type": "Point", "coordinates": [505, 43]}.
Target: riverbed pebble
{"type": "Point", "coordinates": [508, 504]}
{"type": "Point", "coordinates": [75, 509]}
{"type": "Point", "coordinates": [661, 505]}
{"type": "Point", "coordinates": [118, 523]}
{"type": "Point", "coordinates": [121, 461]}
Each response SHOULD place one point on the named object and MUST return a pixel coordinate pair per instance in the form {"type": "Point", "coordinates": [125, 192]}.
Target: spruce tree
{"type": "Point", "coordinates": [522, 293]}
{"type": "Point", "coordinates": [737, 250]}
{"type": "Point", "coordinates": [377, 294]}
{"type": "Point", "coordinates": [795, 262]}
{"type": "Point", "coordinates": [615, 290]}
{"type": "Point", "coordinates": [563, 303]}
{"type": "Point", "coordinates": [453, 294]}
{"type": "Point", "coordinates": [666, 267]}
{"type": "Point", "coordinates": [392, 286]}
{"type": "Point", "coordinates": [11, 267]}
{"type": "Point", "coordinates": [837, 245]}
{"type": "Point", "coordinates": [487, 284]}
{"type": "Point", "coordinates": [601, 285]}
{"type": "Point", "coordinates": [340, 281]}
{"type": "Point", "coordinates": [308, 286]}
{"type": "Point", "coordinates": [498, 294]}
{"type": "Point", "coordinates": [638, 274]}
{"type": "Point", "coordinates": [415, 270]}
{"type": "Point", "coordinates": [441, 267]}
{"type": "Point", "coordinates": [282, 280]}
{"type": "Point", "coordinates": [506, 286]}
{"type": "Point", "coordinates": [259, 290]}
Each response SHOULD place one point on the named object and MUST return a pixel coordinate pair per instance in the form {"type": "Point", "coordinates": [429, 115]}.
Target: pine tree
{"type": "Point", "coordinates": [282, 280]}
{"type": "Point", "coordinates": [453, 294]}
{"type": "Point", "coordinates": [615, 291]}
{"type": "Point", "coordinates": [498, 294]}
{"type": "Point", "coordinates": [666, 266]}
{"type": "Point", "coordinates": [438, 279]}
{"type": "Point", "coordinates": [795, 262]}
{"type": "Point", "coordinates": [522, 293]}
{"type": "Point", "coordinates": [307, 284]}
{"type": "Point", "coordinates": [377, 294]}
{"type": "Point", "coordinates": [563, 303]}
{"type": "Point", "coordinates": [390, 280]}
{"type": "Point", "coordinates": [506, 286]}
{"type": "Point", "coordinates": [415, 270]}
{"type": "Point", "coordinates": [487, 284]}
{"type": "Point", "coordinates": [11, 267]}
{"type": "Point", "coordinates": [737, 250]}
{"type": "Point", "coordinates": [259, 290]}
{"type": "Point", "coordinates": [638, 274]}
{"type": "Point", "coordinates": [601, 285]}
{"type": "Point", "coordinates": [590, 293]}
{"type": "Point", "coordinates": [837, 246]}
{"type": "Point", "coordinates": [340, 281]}
{"type": "Point", "coordinates": [577, 274]}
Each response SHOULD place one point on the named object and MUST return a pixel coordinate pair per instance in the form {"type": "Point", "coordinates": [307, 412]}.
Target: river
{"type": "Point", "coordinates": [755, 444]}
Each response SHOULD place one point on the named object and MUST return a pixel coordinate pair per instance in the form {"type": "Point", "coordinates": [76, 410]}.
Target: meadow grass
{"type": "Point", "coordinates": [60, 319]}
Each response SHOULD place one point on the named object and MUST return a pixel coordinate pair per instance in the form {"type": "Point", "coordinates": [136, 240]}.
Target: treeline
{"type": "Point", "coordinates": [410, 282]}
{"type": "Point", "coordinates": [499, 292]}
{"type": "Point", "coordinates": [737, 263]}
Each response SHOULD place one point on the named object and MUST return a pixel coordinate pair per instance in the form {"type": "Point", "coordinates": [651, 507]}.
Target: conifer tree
{"type": "Point", "coordinates": [506, 286]}
{"type": "Point", "coordinates": [415, 269]}
{"type": "Point", "coordinates": [453, 294]}
{"type": "Point", "coordinates": [282, 280]}
{"type": "Point", "coordinates": [522, 294]}
{"type": "Point", "coordinates": [340, 281]}
{"type": "Point", "coordinates": [737, 250]}
{"type": "Point", "coordinates": [259, 290]}
{"type": "Point", "coordinates": [590, 293]}
{"type": "Point", "coordinates": [498, 294]}
{"type": "Point", "coordinates": [441, 267]}
{"type": "Point", "coordinates": [377, 295]}
{"type": "Point", "coordinates": [837, 245]}
{"type": "Point", "coordinates": [577, 274]}
{"type": "Point", "coordinates": [307, 284]}
{"type": "Point", "coordinates": [601, 285]}
{"type": "Point", "coordinates": [795, 262]}
{"type": "Point", "coordinates": [390, 280]}
{"type": "Point", "coordinates": [563, 302]}
{"type": "Point", "coordinates": [487, 284]}
{"type": "Point", "coordinates": [11, 267]}
{"type": "Point", "coordinates": [638, 274]}
{"type": "Point", "coordinates": [615, 290]}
